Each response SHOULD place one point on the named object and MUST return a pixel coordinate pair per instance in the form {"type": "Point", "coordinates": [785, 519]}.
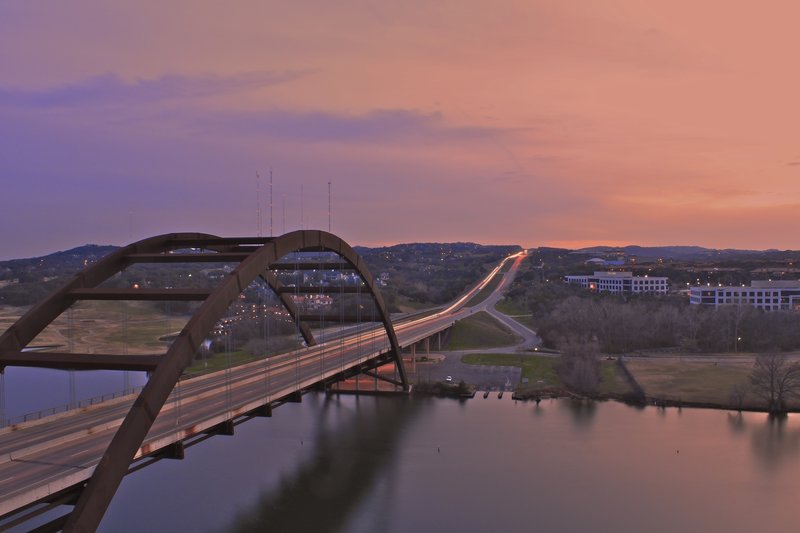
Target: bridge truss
{"type": "Point", "coordinates": [256, 258]}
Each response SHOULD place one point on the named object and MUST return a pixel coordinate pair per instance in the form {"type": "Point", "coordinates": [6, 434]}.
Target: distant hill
{"type": "Point", "coordinates": [55, 264]}
{"type": "Point", "coordinates": [448, 247]}
{"type": "Point", "coordinates": [680, 253]}
{"type": "Point", "coordinates": [417, 274]}
{"type": "Point", "coordinates": [26, 281]}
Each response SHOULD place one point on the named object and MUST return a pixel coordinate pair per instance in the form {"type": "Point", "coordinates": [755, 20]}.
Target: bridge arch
{"type": "Point", "coordinates": [255, 256]}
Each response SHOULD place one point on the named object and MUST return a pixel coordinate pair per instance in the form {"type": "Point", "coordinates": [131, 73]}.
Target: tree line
{"type": "Point", "coordinates": [620, 326]}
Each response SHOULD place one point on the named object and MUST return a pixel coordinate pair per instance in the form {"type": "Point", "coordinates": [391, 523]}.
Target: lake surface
{"type": "Point", "coordinates": [393, 464]}
{"type": "Point", "coordinates": [33, 392]}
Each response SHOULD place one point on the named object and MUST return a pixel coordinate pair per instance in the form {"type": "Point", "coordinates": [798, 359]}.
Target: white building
{"type": "Point", "coordinates": [767, 295]}
{"type": "Point", "coordinates": [620, 283]}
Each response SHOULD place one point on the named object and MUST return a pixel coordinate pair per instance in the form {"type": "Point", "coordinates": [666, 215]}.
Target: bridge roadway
{"type": "Point", "coordinates": [43, 457]}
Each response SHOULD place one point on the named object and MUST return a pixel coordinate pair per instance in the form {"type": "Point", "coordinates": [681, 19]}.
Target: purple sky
{"type": "Point", "coordinates": [529, 122]}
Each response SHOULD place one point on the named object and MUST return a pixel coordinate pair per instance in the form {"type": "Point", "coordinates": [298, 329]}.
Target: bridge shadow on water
{"type": "Point", "coordinates": [343, 470]}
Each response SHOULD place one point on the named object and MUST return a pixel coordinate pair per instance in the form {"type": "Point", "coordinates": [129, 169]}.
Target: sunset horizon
{"type": "Point", "coordinates": [532, 123]}
{"type": "Point", "coordinates": [311, 266]}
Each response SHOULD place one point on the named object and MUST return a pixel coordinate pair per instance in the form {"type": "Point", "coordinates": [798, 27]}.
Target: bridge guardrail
{"type": "Point", "coordinates": [63, 408]}
{"type": "Point", "coordinates": [278, 362]}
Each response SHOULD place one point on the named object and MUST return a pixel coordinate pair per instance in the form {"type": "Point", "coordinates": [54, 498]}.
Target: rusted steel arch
{"type": "Point", "coordinates": [272, 281]}
{"type": "Point", "coordinates": [113, 466]}
{"type": "Point", "coordinates": [41, 315]}
{"type": "Point", "coordinates": [314, 241]}
{"type": "Point", "coordinates": [25, 330]}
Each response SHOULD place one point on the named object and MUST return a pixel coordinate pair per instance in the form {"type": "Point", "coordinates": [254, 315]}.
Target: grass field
{"type": "Point", "coordinates": [689, 381]}
{"type": "Point", "coordinates": [9, 315]}
{"type": "Point", "coordinates": [219, 361]}
{"type": "Point", "coordinates": [100, 327]}
{"type": "Point", "coordinates": [480, 330]}
{"type": "Point", "coordinates": [487, 290]}
{"type": "Point", "coordinates": [517, 312]}
{"type": "Point", "coordinates": [612, 381]}
{"type": "Point", "coordinates": [539, 370]}
{"type": "Point", "coordinates": [404, 305]}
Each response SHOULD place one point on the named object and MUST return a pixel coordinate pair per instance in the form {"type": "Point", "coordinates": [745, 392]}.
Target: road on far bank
{"type": "Point", "coordinates": [485, 376]}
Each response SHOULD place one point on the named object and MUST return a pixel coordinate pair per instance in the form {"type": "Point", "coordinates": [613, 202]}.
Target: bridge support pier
{"type": "Point", "coordinates": [263, 411]}
{"type": "Point", "coordinates": [223, 428]}
{"type": "Point", "coordinates": [295, 397]}
{"type": "Point", "coordinates": [174, 451]}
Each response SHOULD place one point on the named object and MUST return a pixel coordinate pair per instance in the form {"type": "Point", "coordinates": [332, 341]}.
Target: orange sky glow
{"type": "Point", "coordinates": [519, 122]}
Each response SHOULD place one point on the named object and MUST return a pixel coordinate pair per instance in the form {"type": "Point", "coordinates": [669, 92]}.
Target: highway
{"type": "Point", "coordinates": [528, 336]}
{"type": "Point", "coordinates": [43, 457]}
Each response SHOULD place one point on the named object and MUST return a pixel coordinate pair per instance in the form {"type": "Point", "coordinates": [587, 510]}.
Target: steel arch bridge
{"type": "Point", "coordinates": [256, 258]}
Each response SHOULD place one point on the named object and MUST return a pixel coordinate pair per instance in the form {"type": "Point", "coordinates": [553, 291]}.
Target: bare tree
{"type": "Point", "coordinates": [775, 380]}
{"type": "Point", "coordinates": [736, 315]}
{"type": "Point", "coordinates": [579, 368]}
{"type": "Point", "coordinates": [737, 395]}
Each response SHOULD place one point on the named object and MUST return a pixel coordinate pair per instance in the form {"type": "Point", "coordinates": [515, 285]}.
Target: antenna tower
{"type": "Point", "coordinates": [258, 201]}
{"type": "Point", "coordinates": [271, 234]}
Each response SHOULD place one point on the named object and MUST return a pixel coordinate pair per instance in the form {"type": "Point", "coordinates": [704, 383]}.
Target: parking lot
{"type": "Point", "coordinates": [485, 377]}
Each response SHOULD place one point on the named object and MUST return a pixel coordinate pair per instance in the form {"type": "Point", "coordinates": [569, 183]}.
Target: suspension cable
{"type": "Point", "coordinates": [2, 398]}
{"type": "Point", "coordinates": [70, 349]}
{"type": "Point", "coordinates": [320, 300]}
{"type": "Point", "coordinates": [297, 317]}
{"type": "Point", "coordinates": [126, 378]}
{"type": "Point", "coordinates": [266, 292]}
{"type": "Point", "coordinates": [341, 317]}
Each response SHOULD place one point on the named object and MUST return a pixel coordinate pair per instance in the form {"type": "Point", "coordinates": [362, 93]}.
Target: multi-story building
{"type": "Point", "coordinates": [767, 295]}
{"type": "Point", "coordinates": [620, 283]}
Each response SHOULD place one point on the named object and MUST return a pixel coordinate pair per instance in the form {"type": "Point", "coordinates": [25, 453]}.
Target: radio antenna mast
{"type": "Point", "coordinates": [271, 234]}
{"type": "Point", "coordinates": [258, 201]}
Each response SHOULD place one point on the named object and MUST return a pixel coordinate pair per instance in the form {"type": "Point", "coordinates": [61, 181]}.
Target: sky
{"type": "Point", "coordinates": [539, 123]}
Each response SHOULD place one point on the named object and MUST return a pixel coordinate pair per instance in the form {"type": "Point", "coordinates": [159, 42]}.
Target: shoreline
{"type": "Point", "coordinates": [443, 390]}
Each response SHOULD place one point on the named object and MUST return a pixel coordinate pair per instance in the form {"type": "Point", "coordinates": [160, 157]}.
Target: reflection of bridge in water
{"type": "Point", "coordinates": [342, 471]}
{"type": "Point", "coordinates": [79, 458]}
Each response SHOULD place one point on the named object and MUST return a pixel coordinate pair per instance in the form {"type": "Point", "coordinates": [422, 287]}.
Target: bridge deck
{"type": "Point", "coordinates": [43, 457]}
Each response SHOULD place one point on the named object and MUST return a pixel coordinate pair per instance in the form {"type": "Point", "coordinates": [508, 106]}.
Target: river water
{"type": "Point", "coordinates": [393, 464]}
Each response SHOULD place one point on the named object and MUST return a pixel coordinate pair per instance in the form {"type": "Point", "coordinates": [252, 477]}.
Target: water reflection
{"type": "Point", "coordinates": [344, 468]}
{"type": "Point", "coordinates": [371, 464]}
{"type": "Point", "coordinates": [27, 390]}
{"type": "Point", "coordinates": [774, 444]}
{"type": "Point", "coordinates": [736, 423]}
{"type": "Point", "coordinates": [582, 411]}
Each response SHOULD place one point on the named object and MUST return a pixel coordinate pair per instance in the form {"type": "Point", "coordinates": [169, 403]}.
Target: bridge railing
{"type": "Point", "coordinates": [63, 408]}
